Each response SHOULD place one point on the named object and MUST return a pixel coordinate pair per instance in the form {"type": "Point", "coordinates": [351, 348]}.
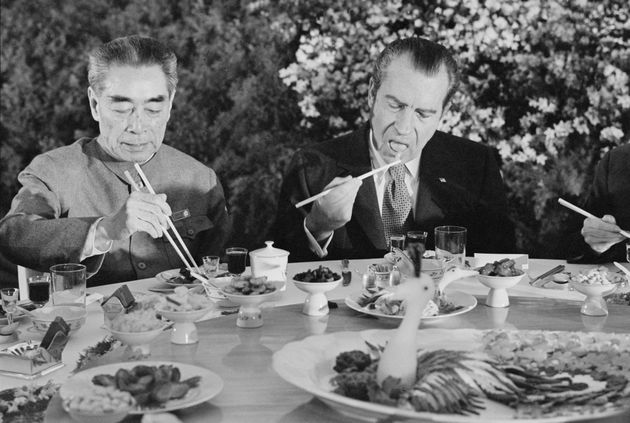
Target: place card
{"type": "Point", "coordinates": [30, 359]}
{"type": "Point", "coordinates": [125, 297]}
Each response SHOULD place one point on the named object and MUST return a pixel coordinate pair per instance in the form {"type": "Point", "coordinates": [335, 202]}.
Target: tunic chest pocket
{"type": "Point", "coordinates": [189, 228]}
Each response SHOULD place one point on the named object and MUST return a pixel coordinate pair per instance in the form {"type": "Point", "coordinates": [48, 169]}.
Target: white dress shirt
{"type": "Point", "coordinates": [381, 180]}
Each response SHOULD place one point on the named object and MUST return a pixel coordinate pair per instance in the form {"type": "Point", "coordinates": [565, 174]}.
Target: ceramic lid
{"type": "Point", "coordinates": [269, 251]}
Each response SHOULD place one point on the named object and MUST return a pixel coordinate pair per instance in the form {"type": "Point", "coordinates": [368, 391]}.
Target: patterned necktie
{"type": "Point", "coordinates": [396, 203]}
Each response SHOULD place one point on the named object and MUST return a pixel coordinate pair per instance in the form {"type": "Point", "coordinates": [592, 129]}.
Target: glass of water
{"type": "Point", "coordinates": [10, 298]}
{"type": "Point", "coordinates": [450, 245]}
{"type": "Point", "coordinates": [396, 241]}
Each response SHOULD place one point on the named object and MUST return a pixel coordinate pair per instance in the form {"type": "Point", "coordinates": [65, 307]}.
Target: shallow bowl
{"type": "Point", "coordinates": [317, 287]}
{"type": "Point", "coordinates": [184, 316]}
{"type": "Point", "coordinates": [500, 282]}
{"type": "Point", "coordinates": [74, 316]}
{"type": "Point", "coordinates": [498, 296]}
{"type": "Point", "coordinates": [137, 338]}
{"type": "Point", "coordinates": [593, 290]}
{"type": "Point", "coordinates": [241, 299]}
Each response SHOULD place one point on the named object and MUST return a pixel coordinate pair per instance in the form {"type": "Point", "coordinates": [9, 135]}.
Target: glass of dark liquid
{"type": "Point", "coordinates": [39, 289]}
{"type": "Point", "coordinates": [237, 260]}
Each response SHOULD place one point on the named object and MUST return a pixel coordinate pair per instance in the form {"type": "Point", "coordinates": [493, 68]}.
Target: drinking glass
{"type": "Point", "coordinates": [211, 265]}
{"type": "Point", "coordinates": [450, 245]}
{"type": "Point", "coordinates": [416, 237]}
{"type": "Point", "coordinates": [396, 241]}
{"type": "Point", "coordinates": [10, 298]}
{"type": "Point", "coordinates": [39, 289]}
{"type": "Point", "coordinates": [237, 260]}
{"type": "Point", "coordinates": [68, 284]}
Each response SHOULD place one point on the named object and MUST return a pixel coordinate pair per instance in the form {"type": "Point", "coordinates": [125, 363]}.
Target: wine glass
{"type": "Point", "coordinates": [10, 298]}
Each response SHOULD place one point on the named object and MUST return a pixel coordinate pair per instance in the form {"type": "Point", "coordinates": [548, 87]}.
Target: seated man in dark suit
{"type": "Point", "coordinates": [76, 204]}
{"type": "Point", "coordinates": [599, 240]}
{"type": "Point", "coordinates": [445, 180]}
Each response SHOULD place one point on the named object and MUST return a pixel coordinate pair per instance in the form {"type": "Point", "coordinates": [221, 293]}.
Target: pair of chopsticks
{"type": "Point", "coordinates": [204, 281]}
{"type": "Point", "coordinates": [362, 177]}
{"type": "Point", "coordinates": [168, 219]}
{"type": "Point", "coordinates": [623, 269]}
{"type": "Point", "coordinates": [586, 214]}
{"type": "Point", "coordinates": [553, 271]}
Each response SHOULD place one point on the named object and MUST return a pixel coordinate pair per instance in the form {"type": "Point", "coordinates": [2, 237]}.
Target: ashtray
{"type": "Point", "coordinates": [26, 360]}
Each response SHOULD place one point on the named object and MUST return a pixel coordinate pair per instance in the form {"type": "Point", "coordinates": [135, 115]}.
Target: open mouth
{"type": "Point", "coordinates": [398, 147]}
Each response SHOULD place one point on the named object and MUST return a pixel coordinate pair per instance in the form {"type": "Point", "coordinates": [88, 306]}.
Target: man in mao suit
{"type": "Point", "coordinates": [76, 204]}
{"type": "Point", "coordinates": [447, 180]}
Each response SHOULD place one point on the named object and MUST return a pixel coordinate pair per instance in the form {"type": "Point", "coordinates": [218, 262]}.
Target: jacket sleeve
{"type": "Point", "coordinates": [302, 179]}
{"type": "Point", "coordinates": [599, 203]}
{"type": "Point", "coordinates": [212, 241]}
{"type": "Point", "coordinates": [35, 233]}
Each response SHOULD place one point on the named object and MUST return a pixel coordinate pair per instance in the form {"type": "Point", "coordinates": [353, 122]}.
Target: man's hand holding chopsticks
{"type": "Point", "coordinates": [335, 209]}
{"type": "Point", "coordinates": [142, 212]}
{"type": "Point", "coordinates": [601, 234]}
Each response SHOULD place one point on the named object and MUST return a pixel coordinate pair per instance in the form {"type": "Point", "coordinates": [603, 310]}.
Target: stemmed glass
{"type": "Point", "coordinates": [10, 298]}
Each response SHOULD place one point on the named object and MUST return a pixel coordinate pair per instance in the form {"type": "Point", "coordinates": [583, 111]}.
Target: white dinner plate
{"type": "Point", "coordinates": [308, 364]}
{"type": "Point", "coordinates": [461, 299]}
{"type": "Point", "coordinates": [209, 385]}
{"type": "Point", "coordinates": [168, 275]}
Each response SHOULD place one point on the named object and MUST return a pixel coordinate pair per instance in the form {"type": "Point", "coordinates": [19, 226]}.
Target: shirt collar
{"type": "Point", "coordinates": [413, 166]}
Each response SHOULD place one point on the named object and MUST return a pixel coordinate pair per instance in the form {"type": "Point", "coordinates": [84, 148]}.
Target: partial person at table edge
{"type": "Point", "coordinates": [445, 179]}
{"type": "Point", "coordinates": [599, 240]}
{"type": "Point", "coordinates": [76, 204]}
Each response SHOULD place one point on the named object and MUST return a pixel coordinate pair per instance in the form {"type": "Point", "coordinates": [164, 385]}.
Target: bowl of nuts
{"type": "Point", "coordinates": [316, 283]}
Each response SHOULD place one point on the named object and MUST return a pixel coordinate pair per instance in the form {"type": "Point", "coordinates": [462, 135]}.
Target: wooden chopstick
{"type": "Point", "coordinates": [587, 214]}
{"type": "Point", "coordinates": [168, 219]}
{"type": "Point", "coordinates": [165, 232]}
{"type": "Point", "coordinates": [362, 177]}
{"type": "Point", "coordinates": [623, 269]}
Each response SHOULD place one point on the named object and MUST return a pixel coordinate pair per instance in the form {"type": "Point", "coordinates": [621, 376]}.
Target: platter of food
{"type": "Point", "coordinates": [453, 304]}
{"type": "Point", "coordinates": [567, 375]}
{"type": "Point", "coordinates": [177, 278]}
{"type": "Point", "coordinates": [156, 386]}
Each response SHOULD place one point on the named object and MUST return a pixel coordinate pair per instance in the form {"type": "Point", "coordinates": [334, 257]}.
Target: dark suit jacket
{"type": "Point", "coordinates": [609, 194]}
{"type": "Point", "coordinates": [459, 184]}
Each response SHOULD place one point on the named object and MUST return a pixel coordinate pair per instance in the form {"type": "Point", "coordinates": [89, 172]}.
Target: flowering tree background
{"type": "Point", "coordinates": [544, 81]}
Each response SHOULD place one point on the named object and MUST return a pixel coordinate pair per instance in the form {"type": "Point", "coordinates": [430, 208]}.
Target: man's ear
{"type": "Point", "coordinates": [371, 93]}
{"type": "Point", "coordinates": [93, 99]}
{"type": "Point", "coordinates": [170, 103]}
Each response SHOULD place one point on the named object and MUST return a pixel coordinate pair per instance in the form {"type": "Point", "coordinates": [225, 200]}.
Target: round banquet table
{"type": "Point", "coordinates": [253, 392]}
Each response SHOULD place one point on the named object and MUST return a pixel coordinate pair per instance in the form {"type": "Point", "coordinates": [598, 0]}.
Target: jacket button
{"type": "Point", "coordinates": [142, 265]}
{"type": "Point", "coordinates": [190, 231]}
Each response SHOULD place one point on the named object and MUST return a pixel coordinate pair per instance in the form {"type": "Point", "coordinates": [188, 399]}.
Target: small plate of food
{"type": "Point", "coordinates": [181, 277]}
{"type": "Point", "coordinates": [380, 305]}
{"type": "Point", "coordinates": [499, 276]}
{"type": "Point", "coordinates": [250, 292]}
{"type": "Point", "coordinates": [156, 386]}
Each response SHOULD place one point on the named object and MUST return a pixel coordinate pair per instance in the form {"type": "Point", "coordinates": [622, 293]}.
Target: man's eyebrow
{"type": "Point", "coordinates": [121, 99]}
{"type": "Point", "coordinates": [157, 99]}
{"type": "Point", "coordinates": [402, 103]}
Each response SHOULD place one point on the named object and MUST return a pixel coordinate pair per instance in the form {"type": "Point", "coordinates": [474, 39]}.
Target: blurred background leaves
{"type": "Point", "coordinates": [544, 81]}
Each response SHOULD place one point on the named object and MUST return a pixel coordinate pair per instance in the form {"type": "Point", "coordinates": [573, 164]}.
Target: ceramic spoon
{"type": "Point", "coordinates": [398, 359]}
